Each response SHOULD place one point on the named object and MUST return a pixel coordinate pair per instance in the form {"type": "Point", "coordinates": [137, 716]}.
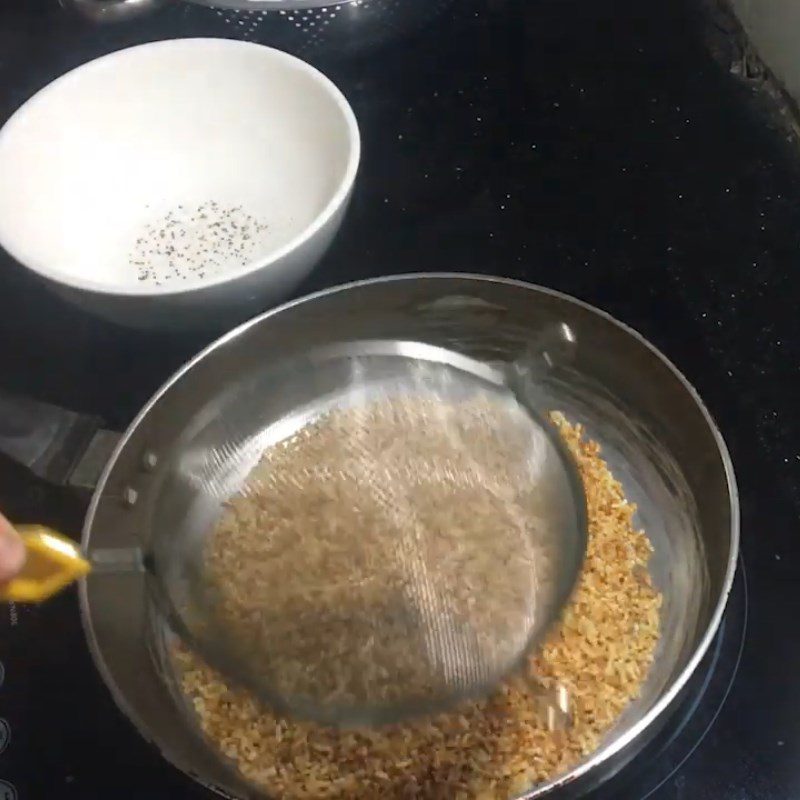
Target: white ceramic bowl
{"type": "Point", "coordinates": [179, 182]}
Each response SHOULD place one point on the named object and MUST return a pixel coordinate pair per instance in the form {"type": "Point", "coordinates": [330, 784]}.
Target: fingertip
{"type": "Point", "coordinates": [12, 552]}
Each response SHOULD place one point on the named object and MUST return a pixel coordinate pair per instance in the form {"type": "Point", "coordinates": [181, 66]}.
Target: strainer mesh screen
{"type": "Point", "coordinates": [392, 550]}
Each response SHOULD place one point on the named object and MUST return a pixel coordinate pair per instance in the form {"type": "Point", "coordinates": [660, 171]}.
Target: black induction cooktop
{"type": "Point", "coordinates": [598, 148]}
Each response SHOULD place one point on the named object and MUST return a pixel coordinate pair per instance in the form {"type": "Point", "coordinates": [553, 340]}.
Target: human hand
{"type": "Point", "coordinates": [12, 551]}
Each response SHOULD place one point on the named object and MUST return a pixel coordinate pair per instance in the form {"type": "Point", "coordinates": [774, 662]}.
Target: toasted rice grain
{"type": "Point", "coordinates": [600, 654]}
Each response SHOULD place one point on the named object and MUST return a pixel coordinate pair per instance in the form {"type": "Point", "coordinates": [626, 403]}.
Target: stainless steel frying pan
{"type": "Point", "coordinates": [656, 434]}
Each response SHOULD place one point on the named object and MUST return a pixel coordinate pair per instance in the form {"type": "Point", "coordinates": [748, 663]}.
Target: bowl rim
{"type": "Point", "coordinates": [337, 200]}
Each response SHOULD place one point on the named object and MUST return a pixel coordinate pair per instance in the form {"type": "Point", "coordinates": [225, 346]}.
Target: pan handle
{"type": "Point", "coordinates": [60, 446]}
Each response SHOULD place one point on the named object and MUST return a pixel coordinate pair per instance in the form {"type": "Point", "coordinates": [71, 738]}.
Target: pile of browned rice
{"type": "Point", "coordinates": [494, 748]}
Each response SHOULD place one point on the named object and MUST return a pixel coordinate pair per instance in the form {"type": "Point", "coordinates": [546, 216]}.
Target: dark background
{"type": "Point", "coordinates": [595, 147]}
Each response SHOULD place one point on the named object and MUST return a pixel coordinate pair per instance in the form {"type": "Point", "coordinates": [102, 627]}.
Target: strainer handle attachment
{"type": "Point", "coordinates": [112, 10]}
{"type": "Point", "coordinates": [54, 561]}
{"type": "Point", "coordinates": [553, 346]}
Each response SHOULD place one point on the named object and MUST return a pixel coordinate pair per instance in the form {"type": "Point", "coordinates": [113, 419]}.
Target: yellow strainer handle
{"type": "Point", "coordinates": [53, 562]}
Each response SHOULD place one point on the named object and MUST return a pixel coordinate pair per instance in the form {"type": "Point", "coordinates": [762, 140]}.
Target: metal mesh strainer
{"type": "Point", "coordinates": [357, 25]}
{"type": "Point", "coordinates": [390, 536]}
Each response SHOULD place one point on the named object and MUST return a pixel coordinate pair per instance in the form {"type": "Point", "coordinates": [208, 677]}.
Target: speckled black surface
{"type": "Point", "coordinates": [594, 147]}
